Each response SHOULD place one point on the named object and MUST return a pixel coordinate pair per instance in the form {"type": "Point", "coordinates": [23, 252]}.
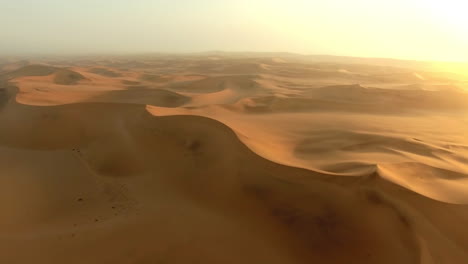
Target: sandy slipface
{"type": "Point", "coordinates": [232, 158]}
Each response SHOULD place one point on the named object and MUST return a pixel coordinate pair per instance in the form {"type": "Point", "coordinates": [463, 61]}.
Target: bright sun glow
{"type": "Point", "coordinates": [453, 14]}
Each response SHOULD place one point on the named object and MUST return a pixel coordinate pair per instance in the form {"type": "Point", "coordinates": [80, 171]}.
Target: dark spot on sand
{"type": "Point", "coordinates": [403, 219]}
{"type": "Point", "coordinates": [377, 199]}
{"type": "Point", "coordinates": [194, 145]}
{"type": "Point", "coordinates": [374, 197]}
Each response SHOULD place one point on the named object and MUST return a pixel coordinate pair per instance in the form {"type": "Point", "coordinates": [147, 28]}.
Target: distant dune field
{"type": "Point", "coordinates": [232, 158]}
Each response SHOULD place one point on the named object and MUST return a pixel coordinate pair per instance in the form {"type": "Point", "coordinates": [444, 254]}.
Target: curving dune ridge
{"type": "Point", "coordinates": [188, 172]}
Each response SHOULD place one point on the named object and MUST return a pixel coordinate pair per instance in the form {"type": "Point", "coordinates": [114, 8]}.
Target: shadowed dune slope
{"type": "Point", "coordinates": [67, 77]}
{"type": "Point", "coordinates": [157, 97]}
{"type": "Point", "coordinates": [105, 72]}
{"type": "Point", "coordinates": [217, 84]}
{"type": "Point", "coordinates": [31, 70]}
{"type": "Point", "coordinates": [60, 75]}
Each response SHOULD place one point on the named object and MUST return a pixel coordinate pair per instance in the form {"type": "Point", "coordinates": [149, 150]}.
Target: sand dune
{"type": "Point", "coordinates": [156, 97]}
{"type": "Point", "coordinates": [128, 82]}
{"type": "Point", "coordinates": [153, 78]}
{"type": "Point", "coordinates": [31, 70]}
{"type": "Point", "coordinates": [67, 77]}
{"type": "Point", "coordinates": [216, 84]}
{"type": "Point", "coordinates": [197, 142]}
{"type": "Point", "coordinates": [245, 68]}
{"type": "Point", "coordinates": [105, 72]}
{"type": "Point", "coordinates": [347, 98]}
{"type": "Point", "coordinates": [60, 75]}
{"type": "Point", "coordinates": [236, 164]}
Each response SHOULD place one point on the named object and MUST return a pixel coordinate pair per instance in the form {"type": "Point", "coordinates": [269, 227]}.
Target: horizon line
{"type": "Point", "coordinates": [207, 52]}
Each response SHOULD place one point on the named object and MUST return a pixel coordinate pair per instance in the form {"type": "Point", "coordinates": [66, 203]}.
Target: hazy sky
{"type": "Point", "coordinates": [416, 29]}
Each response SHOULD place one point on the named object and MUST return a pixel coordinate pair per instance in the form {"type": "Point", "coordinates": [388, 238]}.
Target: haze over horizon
{"type": "Point", "coordinates": [419, 30]}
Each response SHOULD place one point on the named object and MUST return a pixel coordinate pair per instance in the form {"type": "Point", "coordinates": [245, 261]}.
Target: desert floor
{"type": "Point", "coordinates": [232, 158]}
